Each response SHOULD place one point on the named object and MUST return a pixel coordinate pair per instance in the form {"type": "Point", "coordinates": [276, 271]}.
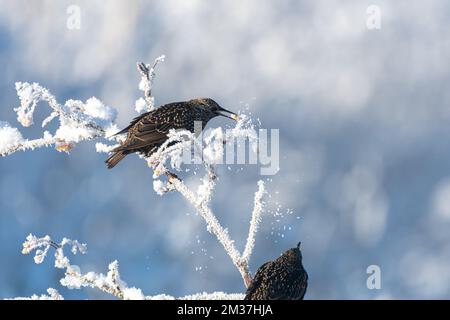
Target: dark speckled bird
{"type": "Point", "coordinates": [148, 132]}
{"type": "Point", "coordinates": [281, 279]}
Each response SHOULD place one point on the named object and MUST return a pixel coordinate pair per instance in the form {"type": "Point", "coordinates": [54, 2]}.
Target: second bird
{"type": "Point", "coordinates": [148, 132]}
{"type": "Point", "coordinates": [280, 279]}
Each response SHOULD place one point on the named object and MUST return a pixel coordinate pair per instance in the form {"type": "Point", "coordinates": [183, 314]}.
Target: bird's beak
{"type": "Point", "coordinates": [228, 114]}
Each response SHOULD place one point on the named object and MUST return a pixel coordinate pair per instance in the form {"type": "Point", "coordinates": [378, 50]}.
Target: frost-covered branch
{"type": "Point", "coordinates": [110, 283]}
{"type": "Point", "coordinates": [170, 157]}
{"type": "Point", "coordinates": [213, 225]}
{"type": "Point", "coordinates": [147, 76]}
{"type": "Point", "coordinates": [78, 121]}
{"type": "Point", "coordinates": [74, 279]}
{"type": "Point", "coordinates": [258, 209]}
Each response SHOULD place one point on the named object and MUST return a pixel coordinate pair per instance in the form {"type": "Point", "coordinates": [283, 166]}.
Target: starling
{"type": "Point", "coordinates": [147, 132]}
{"type": "Point", "coordinates": [281, 279]}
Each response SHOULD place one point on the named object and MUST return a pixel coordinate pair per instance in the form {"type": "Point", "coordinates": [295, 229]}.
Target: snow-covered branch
{"type": "Point", "coordinates": [110, 283]}
{"type": "Point", "coordinates": [147, 76]}
{"type": "Point", "coordinates": [78, 121]}
{"type": "Point", "coordinates": [213, 226]}
{"type": "Point", "coordinates": [254, 222]}
{"type": "Point", "coordinates": [74, 278]}
{"type": "Point", "coordinates": [170, 157]}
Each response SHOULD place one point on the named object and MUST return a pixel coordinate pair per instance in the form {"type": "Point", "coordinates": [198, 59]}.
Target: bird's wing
{"type": "Point", "coordinates": [151, 128]}
{"type": "Point", "coordinates": [144, 134]}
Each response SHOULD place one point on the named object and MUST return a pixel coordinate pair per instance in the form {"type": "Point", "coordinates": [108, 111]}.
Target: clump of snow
{"type": "Point", "coordinates": [140, 105]}
{"type": "Point", "coordinates": [97, 109]}
{"type": "Point", "coordinates": [133, 294]}
{"type": "Point", "coordinates": [9, 137]}
{"type": "Point", "coordinates": [72, 281]}
{"type": "Point", "coordinates": [159, 187]}
{"type": "Point", "coordinates": [85, 121]}
{"type": "Point", "coordinates": [144, 84]}
{"type": "Point", "coordinates": [104, 148]}
{"type": "Point", "coordinates": [69, 131]}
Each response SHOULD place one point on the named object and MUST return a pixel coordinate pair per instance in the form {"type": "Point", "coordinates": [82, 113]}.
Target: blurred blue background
{"type": "Point", "coordinates": [363, 118]}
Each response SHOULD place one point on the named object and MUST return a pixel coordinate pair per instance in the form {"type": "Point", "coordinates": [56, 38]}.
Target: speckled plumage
{"type": "Point", "coordinates": [281, 279]}
{"type": "Point", "coordinates": [148, 131]}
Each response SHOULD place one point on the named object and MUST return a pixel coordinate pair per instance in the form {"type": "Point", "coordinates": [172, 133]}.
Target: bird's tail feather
{"type": "Point", "coordinates": [114, 159]}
